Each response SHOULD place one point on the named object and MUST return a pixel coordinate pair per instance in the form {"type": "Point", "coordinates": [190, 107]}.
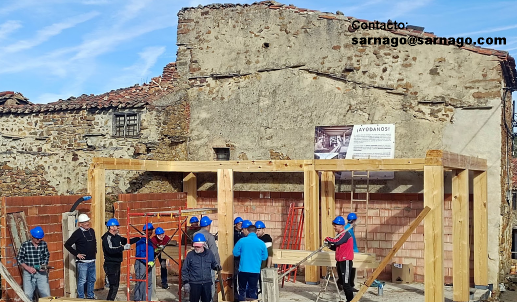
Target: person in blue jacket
{"type": "Point", "coordinates": [196, 272]}
{"type": "Point", "coordinates": [144, 265]}
{"type": "Point", "coordinates": [252, 251]}
{"type": "Point", "coordinates": [351, 221]}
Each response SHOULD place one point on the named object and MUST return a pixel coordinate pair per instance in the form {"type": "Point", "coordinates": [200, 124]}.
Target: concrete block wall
{"type": "Point", "coordinates": [44, 211]}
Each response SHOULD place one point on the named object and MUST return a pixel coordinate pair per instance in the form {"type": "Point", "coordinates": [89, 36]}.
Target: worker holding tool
{"type": "Point", "coordinates": [113, 246]}
{"type": "Point", "coordinates": [159, 241]}
{"type": "Point", "coordinates": [85, 252]}
{"type": "Point", "coordinates": [252, 251]}
{"type": "Point", "coordinates": [196, 272]}
{"type": "Point", "coordinates": [191, 230]}
{"type": "Point", "coordinates": [344, 247]}
{"type": "Point", "coordinates": [33, 256]}
{"type": "Point", "coordinates": [205, 225]}
{"type": "Point", "coordinates": [145, 251]}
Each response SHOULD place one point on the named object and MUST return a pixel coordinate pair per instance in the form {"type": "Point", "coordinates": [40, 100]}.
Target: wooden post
{"type": "Point", "coordinates": [270, 288]}
{"type": "Point", "coordinates": [312, 223]}
{"type": "Point", "coordinates": [97, 189]}
{"type": "Point", "coordinates": [433, 234]}
{"type": "Point", "coordinates": [460, 235]}
{"type": "Point", "coordinates": [190, 187]}
{"type": "Point", "coordinates": [69, 226]}
{"type": "Point", "coordinates": [480, 221]}
{"type": "Point", "coordinates": [225, 228]}
{"type": "Point", "coordinates": [328, 203]}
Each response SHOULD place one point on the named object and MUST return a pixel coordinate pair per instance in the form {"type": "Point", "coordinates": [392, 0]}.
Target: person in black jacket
{"type": "Point", "coordinates": [84, 252]}
{"type": "Point", "coordinates": [196, 272]}
{"type": "Point", "coordinates": [113, 245]}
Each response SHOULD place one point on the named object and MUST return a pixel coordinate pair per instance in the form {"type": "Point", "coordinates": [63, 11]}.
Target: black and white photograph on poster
{"type": "Point", "coordinates": [374, 141]}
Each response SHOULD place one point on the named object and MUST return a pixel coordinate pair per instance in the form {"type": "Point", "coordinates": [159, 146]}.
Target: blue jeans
{"type": "Point", "coordinates": [140, 291]}
{"type": "Point", "coordinates": [85, 275]}
{"type": "Point", "coordinates": [38, 280]}
{"type": "Point", "coordinates": [248, 283]}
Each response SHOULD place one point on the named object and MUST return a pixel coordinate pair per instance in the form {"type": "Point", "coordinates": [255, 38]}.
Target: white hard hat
{"type": "Point", "coordinates": [83, 218]}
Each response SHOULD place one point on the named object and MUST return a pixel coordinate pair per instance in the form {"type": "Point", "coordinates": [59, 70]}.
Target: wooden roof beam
{"type": "Point", "coordinates": [455, 161]}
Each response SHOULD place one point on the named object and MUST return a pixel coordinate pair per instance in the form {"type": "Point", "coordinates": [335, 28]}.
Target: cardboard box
{"type": "Point", "coordinates": [402, 273]}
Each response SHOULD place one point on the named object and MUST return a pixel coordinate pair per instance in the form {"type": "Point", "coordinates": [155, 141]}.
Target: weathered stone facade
{"type": "Point", "coordinates": [262, 76]}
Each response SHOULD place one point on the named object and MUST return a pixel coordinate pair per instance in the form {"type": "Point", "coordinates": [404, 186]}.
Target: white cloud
{"type": "Point", "coordinates": [8, 27]}
{"type": "Point", "coordinates": [148, 57]}
{"type": "Point", "coordinates": [485, 31]}
{"type": "Point", "coordinates": [402, 8]}
{"type": "Point", "coordinates": [131, 10]}
{"type": "Point", "coordinates": [48, 32]}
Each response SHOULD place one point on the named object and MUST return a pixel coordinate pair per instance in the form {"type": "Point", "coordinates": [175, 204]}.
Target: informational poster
{"type": "Point", "coordinates": [373, 141]}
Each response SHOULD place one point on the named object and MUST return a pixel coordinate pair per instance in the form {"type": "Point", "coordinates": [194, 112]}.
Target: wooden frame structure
{"type": "Point", "coordinates": [433, 167]}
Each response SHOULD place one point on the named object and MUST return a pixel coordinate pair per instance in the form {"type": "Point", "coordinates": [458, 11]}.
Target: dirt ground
{"type": "Point", "coordinates": [300, 292]}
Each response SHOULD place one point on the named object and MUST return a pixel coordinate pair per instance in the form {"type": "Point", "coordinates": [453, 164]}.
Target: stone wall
{"type": "Point", "coordinates": [262, 76]}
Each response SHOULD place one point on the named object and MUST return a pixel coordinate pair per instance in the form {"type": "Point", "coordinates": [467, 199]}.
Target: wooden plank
{"type": "Point", "coordinates": [14, 285]}
{"type": "Point", "coordinates": [70, 282]}
{"type": "Point", "coordinates": [201, 166]}
{"type": "Point", "coordinates": [394, 164]}
{"type": "Point", "coordinates": [480, 221]}
{"type": "Point", "coordinates": [328, 202]}
{"type": "Point", "coordinates": [97, 189]}
{"type": "Point", "coordinates": [324, 258]}
{"type": "Point", "coordinates": [460, 235]}
{"type": "Point", "coordinates": [392, 253]}
{"type": "Point", "coordinates": [451, 160]}
{"type": "Point", "coordinates": [225, 227]}
{"type": "Point", "coordinates": [312, 219]}
{"type": "Point", "coordinates": [270, 286]}
{"type": "Point", "coordinates": [190, 187]}
{"type": "Point", "coordinates": [433, 234]}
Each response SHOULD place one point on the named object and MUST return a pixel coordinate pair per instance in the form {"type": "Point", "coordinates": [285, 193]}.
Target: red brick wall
{"type": "Point", "coordinates": [44, 211]}
{"type": "Point", "coordinates": [142, 203]}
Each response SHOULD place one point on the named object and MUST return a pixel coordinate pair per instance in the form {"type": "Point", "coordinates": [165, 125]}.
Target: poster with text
{"type": "Point", "coordinates": [374, 141]}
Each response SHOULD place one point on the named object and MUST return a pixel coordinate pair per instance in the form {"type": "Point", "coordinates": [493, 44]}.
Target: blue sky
{"type": "Point", "coordinates": [52, 49]}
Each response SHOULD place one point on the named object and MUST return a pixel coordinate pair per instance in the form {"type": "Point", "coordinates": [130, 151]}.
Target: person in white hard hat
{"type": "Point", "coordinates": [84, 252]}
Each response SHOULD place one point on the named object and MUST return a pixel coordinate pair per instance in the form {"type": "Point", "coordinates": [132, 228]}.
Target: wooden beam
{"type": "Point", "coordinates": [68, 227]}
{"type": "Point", "coordinates": [433, 234]}
{"type": "Point", "coordinates": [312, 219]}
{"type": "Point", "coordinates": [14, 285]}
{"type": "Point", "coordinates": [190, 187]}
{"type": "Point", "coordinates": [480, 221]}
{"type": "Point", "coordinates": [326, 258]}
{"type": "Point", "coordinates": [201, 166]}
{"type": "Point", "coordinates": [455, 161]}
{"type": "Point", "coordinates": [460, 236]}
{"type": "Point", "coordinates": [392, 253]}
{"type": "Point", "coordinates": [225, 227]}
{"type": "Point", "coordinates": [97, 189]}
{"type": "Point", "coordinates": [328, 202]}
{"type": "Point", "coordinates": [394, 164]}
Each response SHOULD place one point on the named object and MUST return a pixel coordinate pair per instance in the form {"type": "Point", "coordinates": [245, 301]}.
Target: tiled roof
{"type": "Point", "coordinates": [13, 98]}
{"type": "Point", "coordinates": [131, 97]}
{"type": "Point", "coordinates": [502, 55]}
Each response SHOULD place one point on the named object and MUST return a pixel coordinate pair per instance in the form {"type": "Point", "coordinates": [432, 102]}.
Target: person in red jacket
{"type": "Point", "coordinates": [159, 241]}
{"type": "Point", "coordinates": [343, 244]}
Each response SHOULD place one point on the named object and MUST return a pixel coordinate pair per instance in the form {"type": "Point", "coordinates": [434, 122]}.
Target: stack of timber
{"type": "Point", "coordinates": [324, 258]}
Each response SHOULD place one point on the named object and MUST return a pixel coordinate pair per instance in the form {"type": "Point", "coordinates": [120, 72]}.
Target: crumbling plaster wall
{"type": "Point", "coordinates": [261, 79]}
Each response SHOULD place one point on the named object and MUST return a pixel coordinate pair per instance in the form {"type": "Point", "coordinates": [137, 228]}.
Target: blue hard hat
{"type": "Point", "coordinates": [351, 216]}
{"type": "Point", "coordinates": [246, 223]}
{"type": "Point", "coordinates": [238, 220]}
{"type": "Point", "coordinates": [194, 219]}
{"type": "Point", "coordinates": [37, 232]}
{"type": "Point", "coordinates": [112, 222]}
{"type": "Point", "coordinates": [159, 231]}
{"type": "Point", "coordinates": [205, 221]}
{"type": "Point", "coordinates": [260, 225]}
{"type": "Point", "coordinates": [339, 220]}
{"type": "Point", "coordinates": [199, 237]}
{"type": "Point", "coordinates": [148, 226]}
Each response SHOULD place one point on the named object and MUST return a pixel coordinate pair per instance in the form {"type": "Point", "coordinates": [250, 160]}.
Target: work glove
{"type": "Point", "coordinates": [127, 246]}
{"type": "Point", "coordinates": [150, 264]}
{"type": "Point", "coordinates": [157, 250]}
{"type": "Point", "coordinates": [186, 287]}
{"type": "Point", "coordinates": [161, 247]}
{"type": "Point", "coordinates": [218, 267]}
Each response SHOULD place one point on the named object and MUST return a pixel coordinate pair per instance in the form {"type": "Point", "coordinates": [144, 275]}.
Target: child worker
{"type": "Point", "coordinates": [196, 274]}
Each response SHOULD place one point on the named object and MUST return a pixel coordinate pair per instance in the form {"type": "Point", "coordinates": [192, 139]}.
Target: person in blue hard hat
{"type": "Point", "coordinates": [85, 252]}
{"type": "Point", "coordinates": [191, 230]}
{"type": "Point", "coordinates": [237, 234]}
{"type": "Point", "coordinates": [113, 246]}
{"type": "Point", "coordinates": [352, 219]}
{"type": "Point", "coordinates": [160, 240]}
{"type": "Point", "coordinates": [33, 256]}
{"type": "Point", "coordinates": [205, 224]}
{"type": "Point", "coordinates": [196, 272]}
{"type": "Point", "coordinates": [252, 251]}
{"type": "Point", "coordinates": [237, 229]}
{"type": "Point", "coordinates": [266, 238]}
{"type": "Point", "coordinates": [344, 247]}
{"type": "Point", "coordinates": [144, 265]}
